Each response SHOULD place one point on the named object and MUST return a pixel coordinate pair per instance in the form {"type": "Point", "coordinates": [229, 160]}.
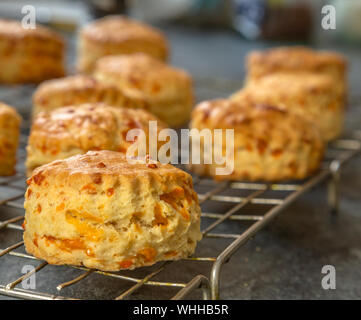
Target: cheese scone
{"type": "Point", "coordinates": [168, 91]}
{"type": "Point", "coordinates": [9, 138]}
{"type": "Point", "coordinates": [101, 211]}
{"type": "Point", "coordinates": [113, 35]}
{"type": "Point", "coordinates": [68, 131]}
{"type": "Point", "coordinates": [269, 144]}
{"type": "Point", "coordinates": [29, 55]}
{"type": "Point", "coordinates": [80, 89]}
{"type": "Point", "coordinates": [298, 59]}
{"type": "Point", "coordinates": [310, 95]}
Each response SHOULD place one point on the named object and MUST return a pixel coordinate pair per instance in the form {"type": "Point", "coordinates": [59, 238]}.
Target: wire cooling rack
{"type": "Point", "coordinates": [232, 213]}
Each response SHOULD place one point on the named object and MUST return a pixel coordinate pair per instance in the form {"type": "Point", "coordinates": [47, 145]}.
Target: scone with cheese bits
{"type": "Point", "coordinates": [297, 60]}
{"type": "Point", "coordinates": [101, 211]}
{"type": "Point", "coordinates": [9, 138]}
{"type": "Point", "coordinates": [312, 96]}
{"type": "Point", "coordinates": [29, 55]}
{"type": "Point", "coordinates": [80, 89]}
{"type": "Point", "coordinates": [269, 144]}
{"type": "Point", "coordinates": [68, 131]}
{"type": "Point", "coordinates": [168, 91]}
{"type": "Point", "coordinates": [118, 35]}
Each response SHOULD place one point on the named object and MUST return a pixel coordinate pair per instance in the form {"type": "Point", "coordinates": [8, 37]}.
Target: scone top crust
{"type": "Point", "coordinates": [66, 86]}
{"type": "Point", "coordinates": [292, 59]}
{"type": "Point", "coordinates": [63, 85]}
{"type": "Point", "coordinates": [14, 30]}
{"type": "Point", "coordinates": [141, 75]}
{"type": "Point", "coordinates": [80, 89]}
{"type": "Point", "coordinates": [256, 121]}
{"type": "Point", "coordinates": [87, 126]}
{"type": "Point", "coordinates": [118, 29]}
{"type": "Point", "coordinates": [224, 113]}
{"type": "Point", "coordinates": [292, 84]}
{"type": "Point", "coordinates": [97, 164]}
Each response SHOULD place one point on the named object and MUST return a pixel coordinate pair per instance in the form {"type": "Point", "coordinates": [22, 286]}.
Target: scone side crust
{"type": "Point", "coordinates": [9, 138]}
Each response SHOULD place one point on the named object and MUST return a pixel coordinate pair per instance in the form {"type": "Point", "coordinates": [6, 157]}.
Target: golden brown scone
{"type": "Point", "coordinates": [269, 144]}
{"type": "Point", "coordinates": [100, 211]}
{"type": "Point", "coordinates": [310, 95]}
{"type": "Point", "coordinates": [118, 35]}
{"type": "Point", "coordinates": [167, 91]}
{"type": "Point", "coordinates": [298, 59]}
{"type": "Point", "coordinates": [9, 139]}
{"type": "Point", "coordinates": [68, 131]}
{"type": "Point", "coordinates": [79, 89]}
{"type": "Point", "coordinates": [29, 55]}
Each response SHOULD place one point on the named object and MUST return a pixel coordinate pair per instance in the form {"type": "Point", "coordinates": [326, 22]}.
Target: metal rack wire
{"type": "Point", "coordinates": [231, 200]}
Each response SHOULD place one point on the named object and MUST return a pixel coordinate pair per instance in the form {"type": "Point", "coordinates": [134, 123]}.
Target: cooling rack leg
{"type": "Point", "coordinates": [215, 280]}
{"type": "Point", "coordinates": [334, 187]}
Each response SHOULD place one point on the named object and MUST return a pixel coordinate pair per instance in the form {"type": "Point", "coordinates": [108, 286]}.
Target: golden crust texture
{"type": "Point", "coordinates": [114, 35]}
{"type": "Point", "coordinates": [69, 131]}
{"type": "Point", "coordinates": [298, 59]}
{"type": "Point", "coordinates": [269, 144]}
{"type": "Point", "coordinates": [168, 91]}
{"type": "Point", "coordinates": [79, 89]}
{"type": "Point", "coordinates": [29, 55]}
{"type": "Point", "coordinates": [312, 96]}
{"type": "Point", "coordinates": [9, 139]}
{"type": "Point", "coordinates": [100, 211]}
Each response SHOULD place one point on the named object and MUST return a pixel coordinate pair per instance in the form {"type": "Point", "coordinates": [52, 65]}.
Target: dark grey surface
{"type": "Point", "coordinates": [284, 260]}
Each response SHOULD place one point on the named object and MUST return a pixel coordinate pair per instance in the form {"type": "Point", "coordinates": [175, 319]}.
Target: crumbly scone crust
{"type": "Point", "coordinates": [100, 211]}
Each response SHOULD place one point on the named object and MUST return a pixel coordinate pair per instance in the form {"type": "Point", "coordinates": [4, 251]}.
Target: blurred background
{"type": "Point", "coordinates": [212, 37]}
